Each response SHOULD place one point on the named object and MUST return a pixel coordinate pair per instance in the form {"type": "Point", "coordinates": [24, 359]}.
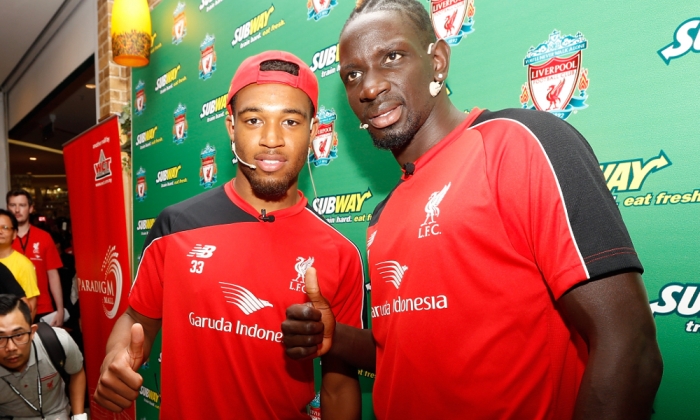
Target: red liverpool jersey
{"type": "Point", "coordinates": [467, 257]}
{"type": "Point", "coordinates": [221, 280]}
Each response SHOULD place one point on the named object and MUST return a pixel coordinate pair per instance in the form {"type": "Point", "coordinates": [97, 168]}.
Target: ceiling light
{"type": "Point", "coordinates": [90, 86]}
{"type": "Point", "coordinates": [131, 32]}
{"type": "Point", "coordinates": [32, 158]}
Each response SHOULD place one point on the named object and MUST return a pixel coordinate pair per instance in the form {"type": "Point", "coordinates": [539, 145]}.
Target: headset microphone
{"type": "Point", "coordinates": [233, 149]}
{"type": "Point", "coordinates": [265, 218]}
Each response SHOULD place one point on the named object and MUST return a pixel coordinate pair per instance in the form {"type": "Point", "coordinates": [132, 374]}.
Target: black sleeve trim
{"type": "Point", "coordinates": [210, 208]}
{"type": "Point", "coordinates": [380, 207]}
{"type": "Point", "coordinates": [595, 218]}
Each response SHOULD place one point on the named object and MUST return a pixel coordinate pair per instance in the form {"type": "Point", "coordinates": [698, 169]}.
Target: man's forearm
{"type": "Point", "coordinates": [355, 346]}
{"type": "Point", "coordinates": [340, 390]}
{"type": "Point", "coordinates": [56, 290]}
{"type": "Point", "coordinates": [32, 305]}
{"type": "Point", "coordinates": [76, 391]}
{"type": "Point", "coordinates": [620, 382]}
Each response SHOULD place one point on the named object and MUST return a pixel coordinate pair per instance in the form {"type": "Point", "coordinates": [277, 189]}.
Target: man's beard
{"type": "Point", "coordinates": [395, 138]}
{"type": "Point", "coordinates": [269, 189]}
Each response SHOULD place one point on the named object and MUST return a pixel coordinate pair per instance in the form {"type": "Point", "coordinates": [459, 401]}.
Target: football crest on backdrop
{"type": "Point", "coordinates": [141, 188]}
{"type": "Point", "coordinates": [452, 20]}
{"type": "Point", "coordinates": [179, 23]}
{"type": "Point", "coordinates": [324, 147]}
{"type": "Point", "coordinates": [180, 125]}
{"type": "Point", "coordinates": [140, 98]}
{"type": "Point", "coordinates": [207, 61]}
{"type": "Point", "coordinates": [556, 79]}
{"type": "Point", "coordinates": [319, 9]}
{"type": "Point", "coordinates": [207, 172]}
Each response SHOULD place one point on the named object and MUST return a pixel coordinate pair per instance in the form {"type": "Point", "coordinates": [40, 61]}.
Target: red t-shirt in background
{"type": "Point", "coordinates": [38, 246]}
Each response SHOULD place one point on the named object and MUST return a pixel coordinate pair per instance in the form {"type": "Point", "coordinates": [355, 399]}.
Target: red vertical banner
{"type": "Point", "coordinates": [96, 198]}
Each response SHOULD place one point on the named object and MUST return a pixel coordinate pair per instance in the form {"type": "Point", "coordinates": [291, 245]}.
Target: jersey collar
{"type": "Point", "coordinates": [447, 140]}
{"type": "Point", "coordinates": [279, 214]}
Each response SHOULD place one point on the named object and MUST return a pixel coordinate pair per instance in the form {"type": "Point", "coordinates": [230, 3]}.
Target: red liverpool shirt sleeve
{"type": "Point", "coordinates": [554, 201]}
{"type": "Point", "coordinates": [146, 296]}
{"type": "Point", "coordinates": [348, 304]}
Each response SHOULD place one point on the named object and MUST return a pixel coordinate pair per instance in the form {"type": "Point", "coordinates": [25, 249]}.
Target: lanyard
{"type": "Point", "coordinates": [39, 410]}
{"type": "Point", "coordinates": [25, 243]}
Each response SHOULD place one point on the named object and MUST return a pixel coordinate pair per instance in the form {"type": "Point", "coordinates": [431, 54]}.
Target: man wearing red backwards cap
{"type": "Point", "coordinates": [218, 271]}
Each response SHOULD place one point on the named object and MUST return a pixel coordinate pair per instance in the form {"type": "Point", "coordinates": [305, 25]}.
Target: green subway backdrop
{"type": "Point", "coordinates": [624, 73]}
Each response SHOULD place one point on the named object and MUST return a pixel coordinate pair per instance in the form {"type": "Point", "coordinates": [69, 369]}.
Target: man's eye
{"type": "Point", "coordinates": [252, 121]}
{"type": "Point", "coordinates": [291, 123]}
{"type": "Point", "coordinates": [352, 76]}
{"type": "Point", "coordinates": [392, 56]}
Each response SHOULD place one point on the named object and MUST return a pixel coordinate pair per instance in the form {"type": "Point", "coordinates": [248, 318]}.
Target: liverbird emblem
{"type": "Point", "coordinates": [301, 266]}
{"type": "Point", "coordinates": [431, 209]}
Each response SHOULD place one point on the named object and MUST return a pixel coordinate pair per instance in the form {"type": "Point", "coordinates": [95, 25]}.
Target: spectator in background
{"type": "Point", "coordinates": [20, 266]}
{"type": "Point", "coordinates": [70, 302]}
{"type": "Point", "coordinates": [33, 387]}
{"type": "Point", "coordinates": [9, 285]}
{"type": "Point", "coordinates": [37, 245]}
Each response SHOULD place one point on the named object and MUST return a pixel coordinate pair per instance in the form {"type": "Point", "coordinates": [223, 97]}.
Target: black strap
{"type": "Point", "coordinates": [54, 349]}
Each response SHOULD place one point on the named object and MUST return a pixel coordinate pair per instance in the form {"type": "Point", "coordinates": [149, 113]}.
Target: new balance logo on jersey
{"type": "Point", "coordinates": [432, 210]}
{"type": "Point", "coordinates": [243, 298]}
{"type": "Point", "coordinates": [297, 284]}
{"type": "Point", "coordinates": [202, 251]}
{"type": "Point", "coordinates": [392, 271]}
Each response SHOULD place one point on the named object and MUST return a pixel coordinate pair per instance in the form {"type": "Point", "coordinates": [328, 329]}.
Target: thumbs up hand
{"type": "Point", "coordinates": [119, 382]}
{"type": "Point", "coordinates": [135, 349]}
{"type": "Point", "coordinates": [313, 291]}
{"type": "Point", "coordinates": [308, 330]}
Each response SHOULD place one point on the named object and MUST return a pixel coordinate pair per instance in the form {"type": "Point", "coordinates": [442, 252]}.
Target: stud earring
{"type": "Point", "coordinates": [364, 126]}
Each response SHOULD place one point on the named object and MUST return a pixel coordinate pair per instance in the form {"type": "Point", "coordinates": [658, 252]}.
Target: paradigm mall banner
{"type": "Point", "coordinates": [623, 76]}
{"type": "Point", "coordinates": [93, 173]}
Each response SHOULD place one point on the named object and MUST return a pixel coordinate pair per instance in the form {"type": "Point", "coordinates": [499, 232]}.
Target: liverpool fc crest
{"type": "Point", "coordinates": [180, 126]}
{"type": "Point", "coordinates": [324, 146]}
{"type": "Point", "coordinates": [179, 24]}
{"type": "Point", "coordinates": [452, 19]}
{"type": "Point", "coordinates": [207, 172]}
{"type": "Point", "coordinates": [319, 8]}
{"type": "Point", "coordinates": [207, 62]}
{"type": "Point", "coordinates": [141, 184]}
{"type": "Point", "coordinates": [554, 73]}
{"type": "Point", "coordinates": [140, 98]}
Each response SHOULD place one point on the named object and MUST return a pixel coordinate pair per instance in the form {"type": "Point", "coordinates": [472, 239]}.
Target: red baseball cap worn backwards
{"type": "Point", "coordinates": [249, 72]}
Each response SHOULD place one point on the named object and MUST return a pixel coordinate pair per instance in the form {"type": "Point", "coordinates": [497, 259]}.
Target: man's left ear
{"type": "Point", "coordinates": [313, 129]}
{"type": "Point", "coordinates": [441, 57]}
{"type": "Point", "coordinates": [34, 327]}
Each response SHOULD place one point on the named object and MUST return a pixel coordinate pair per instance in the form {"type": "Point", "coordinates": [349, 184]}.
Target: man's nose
{"type": "Point", "coordinates": [373, 85]}
{"type": "Point", "coordinates": [272, 136]}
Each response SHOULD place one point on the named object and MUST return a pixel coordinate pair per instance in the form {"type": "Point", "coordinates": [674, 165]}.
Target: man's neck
{"type": "Point", "coordinates": [6, 251]}
{"type": "Point", "coordinates": [444, 118]}
{"type": "Point", "coordinates": [22, 229]}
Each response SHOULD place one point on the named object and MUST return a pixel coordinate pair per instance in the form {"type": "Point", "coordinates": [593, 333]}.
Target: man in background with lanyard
{"type": "Point", "coordinates": [20, 266]}
{"type": "Point", "coordinates": [37, 245]}
{"type": "Point", "coordinates": [31, 387]}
